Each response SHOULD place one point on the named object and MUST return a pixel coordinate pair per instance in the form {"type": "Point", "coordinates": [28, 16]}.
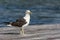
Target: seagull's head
{"type": "Point", "coordinates": [28, 12]}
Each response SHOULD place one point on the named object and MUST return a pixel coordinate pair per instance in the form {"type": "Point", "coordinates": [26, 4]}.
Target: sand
{"type": "Point", "coordinates": [32, 32]}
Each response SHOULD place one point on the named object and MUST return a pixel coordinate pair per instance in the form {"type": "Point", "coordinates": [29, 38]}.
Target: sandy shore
{"type": "Point", "coordinates": [32, 32]}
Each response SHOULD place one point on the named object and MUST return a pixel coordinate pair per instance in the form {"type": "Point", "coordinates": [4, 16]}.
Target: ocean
{"type": "Point", "coordinates": [43, 12]}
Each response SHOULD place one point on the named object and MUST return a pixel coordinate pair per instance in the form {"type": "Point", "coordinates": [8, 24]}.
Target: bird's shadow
{"type": "Point", "coordinates": [9, 33]}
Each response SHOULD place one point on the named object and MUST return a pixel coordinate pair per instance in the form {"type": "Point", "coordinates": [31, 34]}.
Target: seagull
{"type": "Point", "coordinates": [23, 22]}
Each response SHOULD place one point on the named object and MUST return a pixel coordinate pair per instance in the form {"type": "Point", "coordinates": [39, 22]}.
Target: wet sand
{"type": "Point", "coordinates": [32, 32]}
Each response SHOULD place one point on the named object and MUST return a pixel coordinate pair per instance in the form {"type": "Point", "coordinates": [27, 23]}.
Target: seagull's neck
{"type": "Point", "coordinates": [27, 17]}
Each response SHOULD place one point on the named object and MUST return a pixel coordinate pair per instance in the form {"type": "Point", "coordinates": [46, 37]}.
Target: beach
{"type": "Point", "coordinates": [32, 32]}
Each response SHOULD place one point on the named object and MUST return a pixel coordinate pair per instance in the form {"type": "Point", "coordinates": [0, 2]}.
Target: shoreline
{"type": "Point", "coordinates": [32, 32]}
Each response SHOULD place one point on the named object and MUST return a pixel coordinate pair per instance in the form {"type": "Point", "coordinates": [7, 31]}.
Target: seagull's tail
{"type": "Point", "coordinates": [7, 23]}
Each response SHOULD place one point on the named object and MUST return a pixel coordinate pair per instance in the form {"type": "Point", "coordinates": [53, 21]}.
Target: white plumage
{"type": "Point", "coordinates": [27, 17]}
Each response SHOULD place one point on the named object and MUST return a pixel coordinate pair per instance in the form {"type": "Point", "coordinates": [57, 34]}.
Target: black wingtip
{"type": "Point", "coordinates": [6, 23]}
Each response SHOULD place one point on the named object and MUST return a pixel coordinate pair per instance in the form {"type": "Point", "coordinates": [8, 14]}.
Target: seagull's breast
{"type": "Point", "coordinates": [27, 18]}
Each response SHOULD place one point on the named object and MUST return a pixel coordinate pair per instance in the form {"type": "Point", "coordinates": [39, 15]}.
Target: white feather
{"type": "Point", "coordinates": [9, 25]}
{"type": "Point", "coordinates": [27, 17]}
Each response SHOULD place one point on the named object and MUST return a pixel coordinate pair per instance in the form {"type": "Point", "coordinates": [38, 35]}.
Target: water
{"type": "Point", "coordinates": [41, 14]}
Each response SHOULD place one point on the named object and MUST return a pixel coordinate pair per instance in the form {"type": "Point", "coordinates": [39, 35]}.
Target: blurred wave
{"type": "Point", "coordinates": [43, 12]}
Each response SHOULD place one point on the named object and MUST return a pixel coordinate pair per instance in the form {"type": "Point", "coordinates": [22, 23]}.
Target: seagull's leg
{"type": "Point", "coordinates": [22, 31]}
